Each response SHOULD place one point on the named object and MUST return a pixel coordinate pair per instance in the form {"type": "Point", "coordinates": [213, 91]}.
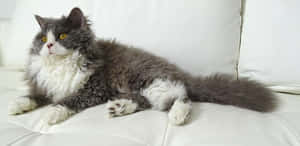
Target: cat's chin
{"type": "Point", "coordinates": [56, 54]}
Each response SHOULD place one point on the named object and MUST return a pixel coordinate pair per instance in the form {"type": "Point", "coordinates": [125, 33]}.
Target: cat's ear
{"type": "Point", "coordinates": [76, 18]}
{"type": "Point", "coordinates": [40, 20]}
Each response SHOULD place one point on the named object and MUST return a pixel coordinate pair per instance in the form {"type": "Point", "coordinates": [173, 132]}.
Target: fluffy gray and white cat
{"type": "Point", "coordinates": [72, 70]}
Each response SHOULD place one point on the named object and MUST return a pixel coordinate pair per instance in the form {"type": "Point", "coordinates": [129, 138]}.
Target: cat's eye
{"type": "Point", "coordinates": [44, 39]}
{"type": "Point", "coordinates": [62, 36]}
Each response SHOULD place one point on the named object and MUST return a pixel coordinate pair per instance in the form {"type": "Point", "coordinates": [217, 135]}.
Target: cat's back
{"type": "Point", "coordinates": [123, 56]}
{"type": "Point", "coordinates": [127, 64]}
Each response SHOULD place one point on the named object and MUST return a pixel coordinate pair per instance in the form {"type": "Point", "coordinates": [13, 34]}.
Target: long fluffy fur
{"type": "Point", "coordinates": [225, 89]}
{"type": "Point", "coordinates": [113, 71]}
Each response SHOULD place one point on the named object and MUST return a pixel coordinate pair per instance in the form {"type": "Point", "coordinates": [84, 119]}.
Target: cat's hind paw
{"type": "Point", "coordinates": [56, 114]}
{"type": "Point", "coordinates": [21, 105]}
{"type": "Point", "coordinates": [180, 112]}
{"type": "Point", "coordinates": [121, 107]}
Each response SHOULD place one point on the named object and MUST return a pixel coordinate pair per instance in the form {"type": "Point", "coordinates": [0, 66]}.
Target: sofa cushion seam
{"type": "Point", "coordinates": [288, 126]}
{"type": "Point", "coordinates": [20, 138]}
{"type": "Point", "coordinates": [165, 133]}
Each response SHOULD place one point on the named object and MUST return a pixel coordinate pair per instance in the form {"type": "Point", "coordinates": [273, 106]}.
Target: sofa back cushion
{"type": "Point", "coordinates": [201, 36]}
{"type": "Point", "coordinates": [270, 49]}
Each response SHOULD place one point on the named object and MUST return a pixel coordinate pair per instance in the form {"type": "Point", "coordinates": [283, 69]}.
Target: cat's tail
{"type": "Point", "coordinates": [224, 89]}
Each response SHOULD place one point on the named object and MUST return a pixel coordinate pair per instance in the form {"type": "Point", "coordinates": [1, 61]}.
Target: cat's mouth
{"type": "Point", "coordinates": [53, 53]}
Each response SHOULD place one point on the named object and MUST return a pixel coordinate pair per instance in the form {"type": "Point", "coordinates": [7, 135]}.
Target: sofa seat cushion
{"type": "Point", "coordinates": [211, 124]}
{"type": "Point", "coordinates": [11, 133]}
{"type": "Point", "coordinates": [219, 125]}
{"type": "Point", "coordinates": [90, 127]}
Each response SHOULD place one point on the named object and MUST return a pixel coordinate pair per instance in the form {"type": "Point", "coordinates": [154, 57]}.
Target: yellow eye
{"type": "Point", "coordinates": [44, 39]}
{"type": "Point", "coordinates": [62, 36]}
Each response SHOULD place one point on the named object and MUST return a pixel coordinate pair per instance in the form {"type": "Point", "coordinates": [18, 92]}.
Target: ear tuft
{"type": "Point", "coordinates": [40, 20]}
{"type": "Point", "coordinates": [76, 18]}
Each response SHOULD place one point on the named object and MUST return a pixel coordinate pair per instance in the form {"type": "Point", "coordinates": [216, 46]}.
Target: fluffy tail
{"type": "Point", "coordinates": [224, 89]}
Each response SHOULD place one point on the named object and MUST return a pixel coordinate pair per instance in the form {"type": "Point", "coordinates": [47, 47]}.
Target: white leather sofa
{"type": "Point", "coordinates": [254, 38]}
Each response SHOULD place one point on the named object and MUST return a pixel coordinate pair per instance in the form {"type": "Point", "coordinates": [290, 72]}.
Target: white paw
{"type": "Point", "coordinates": [56, 114]}
{"type": "Point", "coordinates": [120, 107]}
{"type": "Point", "coordinates": [21, 105]}
{"type": "Point", "coordinates": [180, 112]}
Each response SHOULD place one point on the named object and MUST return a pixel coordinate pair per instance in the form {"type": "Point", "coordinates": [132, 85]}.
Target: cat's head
{"type": "Point", "coordinates": [62, 36]}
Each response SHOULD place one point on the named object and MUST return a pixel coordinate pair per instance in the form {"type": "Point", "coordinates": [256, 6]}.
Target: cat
{"type": "Point", "coordinates": [72, 70]}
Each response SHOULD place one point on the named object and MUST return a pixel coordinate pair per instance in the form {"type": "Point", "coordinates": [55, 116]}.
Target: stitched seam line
{"type": "Point", "coordinates": [20, 125]}
{"type": "Point", "coordinates": [242, 7]}
{"type": "Point", "coordinates": [131, 139]}
{"type": "Point", "coordinates": [164, 140]}
{"type": "Point", "coordinates": [38, 132]}
{"type": "Point", "coordinates": [288, 126]}
{"type": "Point", "coordinates": [20, 138]}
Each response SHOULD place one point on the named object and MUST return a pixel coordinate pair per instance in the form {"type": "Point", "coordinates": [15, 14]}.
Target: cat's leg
{"type": "Point", "coordinates": [125, 104]}
{"type": "Point", "coordinates": [164, 94]}
{"type": "Point", "coordinates": [56, 114]}
{"type": "Point", "coordinates": [71, 105]}
{"type": "Point", "coordinates": [180, 111]}
{"type": "Point", "coordinates": [30, 102]}
{"type": "Point", "coordinates": [21, 105]}
{"type": "Point", "coordinates": [121, 107]}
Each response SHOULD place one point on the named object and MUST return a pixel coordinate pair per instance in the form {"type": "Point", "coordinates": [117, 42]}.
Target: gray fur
{"type": "Point", "coordinates": [121, 71]}
{"type": "Point", "coordinates": [225, 89]}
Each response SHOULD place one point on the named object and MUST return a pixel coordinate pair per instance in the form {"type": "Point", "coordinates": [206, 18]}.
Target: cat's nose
{"type": "Point", "coordinates": [49, 45]}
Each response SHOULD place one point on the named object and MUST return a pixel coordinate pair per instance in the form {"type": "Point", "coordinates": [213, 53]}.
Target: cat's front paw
{"type": "Point", "coordinates": [21, 105]}
{"type": "Point", "coordinates": [121, 107]}
{"type": "Point", "coordinates": [56, 114]}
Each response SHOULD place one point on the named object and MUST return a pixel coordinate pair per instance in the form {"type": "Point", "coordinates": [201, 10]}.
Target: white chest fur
{"type": "Point", "coordinates": [60, 76]}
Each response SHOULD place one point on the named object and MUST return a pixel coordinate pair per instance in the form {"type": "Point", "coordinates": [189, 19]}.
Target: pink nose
{"type": "Point", "coordinates": [49, 45]}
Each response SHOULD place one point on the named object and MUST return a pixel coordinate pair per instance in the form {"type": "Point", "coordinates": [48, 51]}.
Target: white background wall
{"type": "Point", "coordinates": [201, 36]}
{"type": "Point", "coordinates": [18, 26]}
{"type": "Point", "coordinates": [7, 8]}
